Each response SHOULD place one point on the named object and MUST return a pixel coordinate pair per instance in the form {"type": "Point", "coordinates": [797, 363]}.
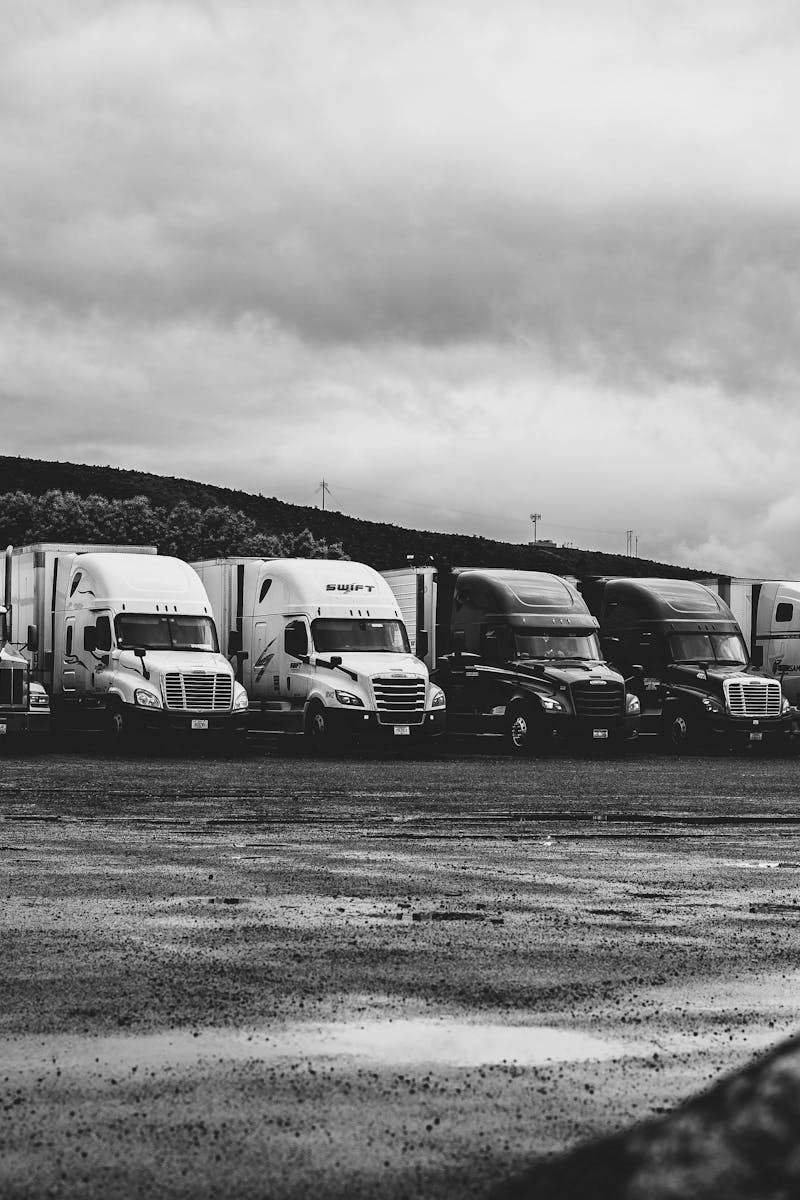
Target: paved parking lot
{"type": "Point", "coordinates": [376, 976]}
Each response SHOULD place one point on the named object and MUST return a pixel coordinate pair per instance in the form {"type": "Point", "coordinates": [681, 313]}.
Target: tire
{"type": "Point", "coordinates": [316, 729]}
{"type": "Point", "coordinates": [116, 728]}
{"type": "Point", "coordinates": [521, 729]}
{"type": "Point", "coordinates": [680, 731]}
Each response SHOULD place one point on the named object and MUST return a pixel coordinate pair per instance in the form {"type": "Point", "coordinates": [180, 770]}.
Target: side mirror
{"type": "Point", "coordinates": [90, 638]}
{"type": "Point", "coordinates": [758, 656]}
{"type": "Point", "coordinates": [458, 641]}
{"type": "Point", "coordinates": [139, 651]}
{"type": "Point", "coordinates": [234, 643]}
{"type": "Point", "coordinates": [33, 638]}
{"type": "Point", "coordinates": [423, 643]}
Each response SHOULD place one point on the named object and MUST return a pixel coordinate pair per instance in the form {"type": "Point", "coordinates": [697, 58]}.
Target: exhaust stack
{"type": "Point", "coordinates": [7, 592]}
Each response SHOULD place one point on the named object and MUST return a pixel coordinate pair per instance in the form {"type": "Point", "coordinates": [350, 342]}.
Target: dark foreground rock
{"type": "Point", "coordinates": [738, 1141]}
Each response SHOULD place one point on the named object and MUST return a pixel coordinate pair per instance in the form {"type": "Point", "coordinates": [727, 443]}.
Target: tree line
{"type": "Point", "coordinates": [182, 529]}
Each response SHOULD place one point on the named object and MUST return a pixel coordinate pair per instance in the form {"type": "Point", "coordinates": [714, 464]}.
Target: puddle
{"type": "Point", "coordinates": [385, 1043]}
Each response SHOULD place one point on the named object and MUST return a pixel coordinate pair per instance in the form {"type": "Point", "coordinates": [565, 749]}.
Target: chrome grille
{"type": "Point", "coordinates": [400, 701]}
{"type": "Point", "coordinates": [198, 692]}
{"type": "Point", "coordinates": [753, 697]}
{"type": "Point", "coordinates": [12, 686]}
{"type": "Point", "coordinates": [598, 700]}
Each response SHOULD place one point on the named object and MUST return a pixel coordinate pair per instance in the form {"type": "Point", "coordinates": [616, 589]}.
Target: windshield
{"type": "Point", "coordinates": [558, 645]}
{"type": "Point", "coordinates": [708, 647]}
{"type": "Point", "coordinates": [333, 635]}
{"type": "Point", "coordinates": [152, 631]}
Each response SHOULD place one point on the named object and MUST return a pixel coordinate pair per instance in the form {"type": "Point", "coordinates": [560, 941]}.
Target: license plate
{"type": "Point", "coordinates": [199, 723]}
{"type": "Point", "coordinates": [756, 736]}
{"type": "Point", "coordinates": [402, 731]}
{"type": "Point", "coordinates": [3, 728]}
{"type": "Point", "coordinates": [600, 733]}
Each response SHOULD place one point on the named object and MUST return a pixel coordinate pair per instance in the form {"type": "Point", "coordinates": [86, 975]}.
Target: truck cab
{"type": "Point", "coordinates": [517, 653]}
{"type": "Point", "coordinates": [24, 704]}
{"type": "Point", "coordinates": [682, 650]}
{"type": "Point", "coordinates": [136, 647]}
{"type": "Point", "coordinates": [322, 649]}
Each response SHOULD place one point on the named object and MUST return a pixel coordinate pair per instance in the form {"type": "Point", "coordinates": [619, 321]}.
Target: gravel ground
{"type": "Point", "coordinates": [378, 977]}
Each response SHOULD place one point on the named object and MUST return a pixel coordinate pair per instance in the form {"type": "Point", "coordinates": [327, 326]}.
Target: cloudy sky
{"type": "Point", "coordinates": [463, 261]}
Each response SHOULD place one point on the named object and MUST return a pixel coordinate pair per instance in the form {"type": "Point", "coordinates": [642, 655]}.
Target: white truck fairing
{"type": "Point", "coordinates": [323, 647]}
{"type": "Point", "coordinates": [129, 639]}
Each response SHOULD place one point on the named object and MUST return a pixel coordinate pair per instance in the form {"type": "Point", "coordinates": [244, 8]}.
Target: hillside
{"type": "Point", "coordinates": [381, 545]}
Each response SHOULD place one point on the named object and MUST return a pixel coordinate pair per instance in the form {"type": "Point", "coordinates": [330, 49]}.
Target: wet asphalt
{"type": "Point", "coordinates": [260, 975]}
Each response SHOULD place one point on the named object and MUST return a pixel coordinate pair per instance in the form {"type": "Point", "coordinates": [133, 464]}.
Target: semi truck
{"type": "Point", "coordinates": [322, 649]}
{"type": "Point", "coordinates": [24, 703]}
{"type": "Point", "coordinates": [127, 640]}
{"type": "Point", "coordinates": [516, 653]}
{"type": "Point", "coordinates": [681, 648]}
{"type": "Point", "coordinates": [768, 611]}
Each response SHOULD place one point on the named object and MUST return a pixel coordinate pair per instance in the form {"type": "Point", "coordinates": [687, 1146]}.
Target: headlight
{"type": "Point", "coordinates": [632, 705]}
{"type": "Point", "coordinates": [240, 699]}
{"type": "Point", "coordinates": [550, 704]}
{"type": "Point", "coordinates": [146, 699]}
{"type": "Point", "coordinates": [785, 706]}
{"type": "Point", "coordinates": [711, 705]}
{"type": "Point", "coordinates": [38, 696]}
{"type": "Point", "coordinates": [438, 698]}
{"type": "Point", "coordinates": [349, 699]}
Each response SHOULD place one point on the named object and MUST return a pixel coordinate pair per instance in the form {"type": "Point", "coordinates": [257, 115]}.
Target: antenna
{"type": "Point", "coordinates": [535, 517]}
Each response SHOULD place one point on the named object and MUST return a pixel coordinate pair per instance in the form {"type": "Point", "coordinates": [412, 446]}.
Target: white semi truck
{"type": "Point", "coordinates": [126, 639]}
{"type": "Point", "coordinates": [321, 648]}
{"type": "Point", "coordinates": [768, 611]}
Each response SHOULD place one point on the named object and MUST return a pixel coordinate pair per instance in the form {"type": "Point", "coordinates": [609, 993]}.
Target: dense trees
{"type": "Point", "coordinates": [182, 529]}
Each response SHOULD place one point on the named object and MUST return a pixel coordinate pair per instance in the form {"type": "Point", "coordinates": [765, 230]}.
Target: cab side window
{"type": "Point", "coordinates": [103, 633]}
{"type": "Point", "coordinates": [295, 638]}
{"type": "Point", "coordinates": [783, 613]}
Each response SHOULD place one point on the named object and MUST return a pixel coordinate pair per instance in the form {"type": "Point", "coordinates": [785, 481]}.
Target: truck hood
{"type": "Point", "coordinates": [9, 655]}
{"type": "Point", "coordinates": [711, 679]}
{"type": "Point", "coordinates": [162, 662]}
{"type": "Point", "coordinates": [568, 673]}
{"type": "Point", "coordinates": [368, 666]}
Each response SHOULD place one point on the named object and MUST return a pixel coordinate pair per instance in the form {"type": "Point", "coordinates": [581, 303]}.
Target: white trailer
{"type": "Point", "coordinates": [126, 639]}
{"type": "Point", "coordinates": [321, 647]}
{"type": "Point", "coordinates": [768, 611]}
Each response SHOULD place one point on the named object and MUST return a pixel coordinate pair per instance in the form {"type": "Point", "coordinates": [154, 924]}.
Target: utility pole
{"type": "Point", "coordinates": [629, 542]}
{"type": "Point", "coordinates": [323, 487]}
{"type": "Point", "coordinates": [535, 517]}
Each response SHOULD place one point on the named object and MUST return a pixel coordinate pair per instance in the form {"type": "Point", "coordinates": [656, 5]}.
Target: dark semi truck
{"type": "Point", "coordinates": [681, 650]}
{"type": "Point", "coordinates": [517, 653]}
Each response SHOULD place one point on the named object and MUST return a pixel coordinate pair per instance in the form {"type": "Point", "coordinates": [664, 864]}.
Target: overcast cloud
{"type": "Point", "coordinates": [462, 261]}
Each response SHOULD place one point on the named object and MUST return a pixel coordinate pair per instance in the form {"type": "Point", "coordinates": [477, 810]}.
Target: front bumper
{"type": "Point", "coordinates": [591, 729]}
{"type": "Point", "coordinates": [754, 729]}
{"type": "Point", "coordinates": [24, 722]}
{"type": "Point", "coordinates": [164, 720]}
{"type": "Point", "coordinates": [355, 722]}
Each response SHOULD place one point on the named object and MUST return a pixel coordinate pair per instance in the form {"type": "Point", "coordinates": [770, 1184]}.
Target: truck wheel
{"type": "Point", "coordinates": [521, 729]}
{"type": "Point", "coordinates": [117, 728]}
{"type": "Point", "coordinates": [317, 729]}
{"type": "Point", "coordinates": [680, 730]}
